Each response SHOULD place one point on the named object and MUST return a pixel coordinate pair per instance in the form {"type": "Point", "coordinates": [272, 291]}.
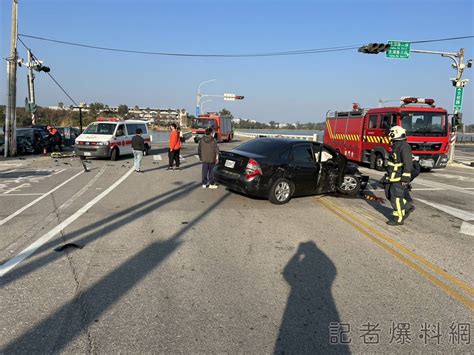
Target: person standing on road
{"type": "Point", "coordinates": [398, 177]}
{"type": "Point", "coordinates": [55, 139]}
{"type": "Point", "coordinates": [208, 152]}
{"type": "Point", "coordinates": [174, 147]}
{"type": "Point", "coordinates": [138, 147]}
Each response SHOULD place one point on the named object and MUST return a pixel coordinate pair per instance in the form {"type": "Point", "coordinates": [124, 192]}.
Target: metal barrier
{"type": "Point", "coordinates": [314, 137]}
{"type": "Point", "coordinates": [467, 138]}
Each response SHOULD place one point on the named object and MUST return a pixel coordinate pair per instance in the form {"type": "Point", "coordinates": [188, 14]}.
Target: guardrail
{"type": "Point", "coordinates": [314, 137]}
{"type": "Point", "coordinates": [465, 139]}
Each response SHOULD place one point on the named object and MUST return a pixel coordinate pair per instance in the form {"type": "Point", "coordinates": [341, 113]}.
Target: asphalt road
{"type": "Point", "coordinates": [114, 261]}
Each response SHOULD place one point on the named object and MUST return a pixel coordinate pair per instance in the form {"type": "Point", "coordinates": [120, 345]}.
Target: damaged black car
{"type": "Point", "coordinates": [279, 169]}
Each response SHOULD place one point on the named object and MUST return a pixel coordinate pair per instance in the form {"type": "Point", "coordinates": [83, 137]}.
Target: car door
{"type": "Point", "coordinates": [121, 138]}
{"type": "Point", "coordinates": [304, 168]}
{"type": "Point", "coordinates": [330, 169]}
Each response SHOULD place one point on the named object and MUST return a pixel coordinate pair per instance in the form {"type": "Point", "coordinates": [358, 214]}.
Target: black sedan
{"type": "Point", "coordinates": [279, 169]}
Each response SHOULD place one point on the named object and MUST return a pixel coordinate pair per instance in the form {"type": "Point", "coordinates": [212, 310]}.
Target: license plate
{"type": "Point", "coordinates": [87, 154]}
{"type": "Point", "coordinates": [429, 163]}
{"type": "Point", "coordinates": [229, 163]}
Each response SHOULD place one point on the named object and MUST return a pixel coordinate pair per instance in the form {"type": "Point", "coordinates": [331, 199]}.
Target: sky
{"type": "Point", "coordinates": [283, 88]}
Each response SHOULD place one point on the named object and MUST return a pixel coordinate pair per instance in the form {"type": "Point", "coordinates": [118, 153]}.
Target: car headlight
{"type": "Point", "coordinates": [102, 143]}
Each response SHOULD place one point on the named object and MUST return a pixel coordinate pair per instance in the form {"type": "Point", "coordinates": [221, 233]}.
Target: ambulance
{"type": "Point", "coordinates": [110, 137]}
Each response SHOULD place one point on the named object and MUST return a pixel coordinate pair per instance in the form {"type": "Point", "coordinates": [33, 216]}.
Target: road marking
{"type": "Point", "coordinates": [58, 172]}
{"type": "Point", "coordinates": [442, 186]}
{"type": "Point", "coordinates": [8, 171]}
{"type": "Point", "coordinates": [157, 157]}
{"type": "Point", "coordinates": [455, 212]}
{"type": "Point", "coordinates": [83, 190]}
{"type": "Point", "coordinates": [396, 250]}
{"type": "Point", "coordinates": [16, 188]}
{"type": "Point", "coordinates": [10, 264]}
{"type": "Point", "coordinates": [31, 194]}
{"type": "Point", "coordinates": [14, 214]}
{"type": "Point", "coordinates": [467, 228]}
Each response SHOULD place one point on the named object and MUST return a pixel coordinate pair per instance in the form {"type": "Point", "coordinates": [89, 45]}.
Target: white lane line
{"type": "Point", "coordinates": [58, 172]}
{"type": "Point", "coordinates": [83, 190]}
{"type": "Point", "coordinates": [32, 194]}
{"type": "Point", "coordinates": [442, 186]}
{"type": "Point", "coordinates": [157, 157]}
{"type": "Point", "coordinates": [14, 214]}
{"type": "Point", "coordinates": [16, 188]}
{"type": "Point", "coordinates": [455, 212]}
{"type": "Point", "coordinates": [467, 228]}
{"type": "Point", "coordinates": [10, 264]}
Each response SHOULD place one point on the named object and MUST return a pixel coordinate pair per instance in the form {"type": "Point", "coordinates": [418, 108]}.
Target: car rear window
{"type": "Point", "coordinates": [263, 147]}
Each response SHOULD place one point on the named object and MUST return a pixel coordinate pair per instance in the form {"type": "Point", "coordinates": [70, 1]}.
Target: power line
{"type": "Point", "coordinates": [220, 55]}
{"type": "Point", "coordinates": [52, 78]}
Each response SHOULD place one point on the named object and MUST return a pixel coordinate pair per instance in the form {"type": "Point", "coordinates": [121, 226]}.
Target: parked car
{"type": "Point", "coordinates": [279, 169]}
{"type": "Point", "coordinates": [31, 140]}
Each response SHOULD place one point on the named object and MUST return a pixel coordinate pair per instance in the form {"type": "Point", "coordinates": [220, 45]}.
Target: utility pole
{"type": "Point", "coordinates": [10, 118]}
{"type": "Point", "coordinates": [31, 87]}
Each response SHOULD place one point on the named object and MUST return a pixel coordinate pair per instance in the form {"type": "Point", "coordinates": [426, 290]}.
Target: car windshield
{"type": "Point", "coordinates": [100, 128]}
{"type": "Point", "coordinates": [263, 147]}
{"type": "Point", "coordinates": [204, 123]}
{"type": "Point", "coordinates": [425, 123]}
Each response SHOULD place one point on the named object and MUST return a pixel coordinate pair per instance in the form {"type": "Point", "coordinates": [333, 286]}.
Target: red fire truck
{"type": "Point", "coordinates": [362, 134]}
{"type": "Point", "coordinates": [221, 126]}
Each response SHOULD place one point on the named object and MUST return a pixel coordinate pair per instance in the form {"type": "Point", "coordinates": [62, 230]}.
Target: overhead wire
{"type": "Point", "coordinates": [229, 55]}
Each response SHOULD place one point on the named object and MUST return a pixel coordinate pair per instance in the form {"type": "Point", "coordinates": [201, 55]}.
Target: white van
{"type": "Point", "coordinates": [110, 138]}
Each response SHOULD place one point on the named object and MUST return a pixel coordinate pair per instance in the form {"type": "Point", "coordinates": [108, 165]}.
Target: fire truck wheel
{"type": "Point", "coordinates": [379, 162]}
{"type": "Point", "coordinates": [115, 154]}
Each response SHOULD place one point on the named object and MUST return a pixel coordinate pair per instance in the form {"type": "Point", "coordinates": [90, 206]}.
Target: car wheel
{"type": "Point", "coordinates": [281, 191]}
{"type": "Point", "coordinates": [350, 185]}
{"type": "Point", "coordinates": [147, 150]}
{"type": "Point", "coordinates": [425, 170]}
{"type": "Point", "coordinates": [379, 162]}
{"type": "Point", "coordinates": [115, 154]}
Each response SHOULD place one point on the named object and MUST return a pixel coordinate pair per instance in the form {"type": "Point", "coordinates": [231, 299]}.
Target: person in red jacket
{"type": "Point", "coordinates": [174, 147]}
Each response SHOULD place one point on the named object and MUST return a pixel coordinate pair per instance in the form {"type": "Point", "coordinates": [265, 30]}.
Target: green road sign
{"type": "Point", "coordinates": [458, 99]}
{"type": "Point", "coordinates": [398, 50]}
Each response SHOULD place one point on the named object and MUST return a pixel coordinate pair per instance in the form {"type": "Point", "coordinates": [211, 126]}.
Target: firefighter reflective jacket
{"type": "Point", "coordinates": [400, 163]}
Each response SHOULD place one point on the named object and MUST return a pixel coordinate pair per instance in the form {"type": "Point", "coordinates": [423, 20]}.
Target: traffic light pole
{"type": "Point", "coordinates": [458, 59]}
{"type": "Point", "coordinates": [10, 117]}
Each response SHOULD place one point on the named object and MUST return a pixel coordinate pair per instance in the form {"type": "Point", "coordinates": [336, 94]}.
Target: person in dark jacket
{"type": "Point", "coordinates": [398, 177]}
{"type": "Point", "coordinates": [138, 147]}
{"type": "Point", "coordinates": [208, 152]}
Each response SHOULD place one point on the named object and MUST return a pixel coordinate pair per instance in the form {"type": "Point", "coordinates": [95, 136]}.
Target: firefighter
{"type": "Point", "coordinates": [399, 173]}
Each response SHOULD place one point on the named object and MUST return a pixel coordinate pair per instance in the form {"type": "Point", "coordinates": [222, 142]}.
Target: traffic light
{"type": "Point", "coordinates": [40, 67]}
{"type": "Point", "coordinates": [237, 97]}
{"type": "Point", "coordinates": [374, 48]}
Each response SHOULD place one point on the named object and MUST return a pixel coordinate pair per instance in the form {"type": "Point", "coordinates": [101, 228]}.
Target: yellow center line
{"type": "Point", "coordinates": [357, 224]}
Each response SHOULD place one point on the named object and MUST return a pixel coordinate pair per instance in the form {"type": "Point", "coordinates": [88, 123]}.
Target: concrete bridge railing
{"type": "Point", "coordinates": [314, 137]}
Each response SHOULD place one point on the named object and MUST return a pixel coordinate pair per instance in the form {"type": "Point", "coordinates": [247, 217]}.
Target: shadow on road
{"type": "Point", "coordinates": [310, 308]}
{"type": "Point", "coordinates": [96, 230]}
{"type": "Point", "coordinates": [74, 318]}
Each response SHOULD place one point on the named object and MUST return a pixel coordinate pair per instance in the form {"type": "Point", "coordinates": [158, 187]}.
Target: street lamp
{"type": "Point", "coordinates": [202, 103]}
{"type": "Point", "coordinates": [198, 96]}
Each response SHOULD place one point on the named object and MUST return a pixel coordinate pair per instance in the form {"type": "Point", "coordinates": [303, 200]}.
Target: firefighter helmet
{"type": "Point", "coordinates": [397, 133]}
